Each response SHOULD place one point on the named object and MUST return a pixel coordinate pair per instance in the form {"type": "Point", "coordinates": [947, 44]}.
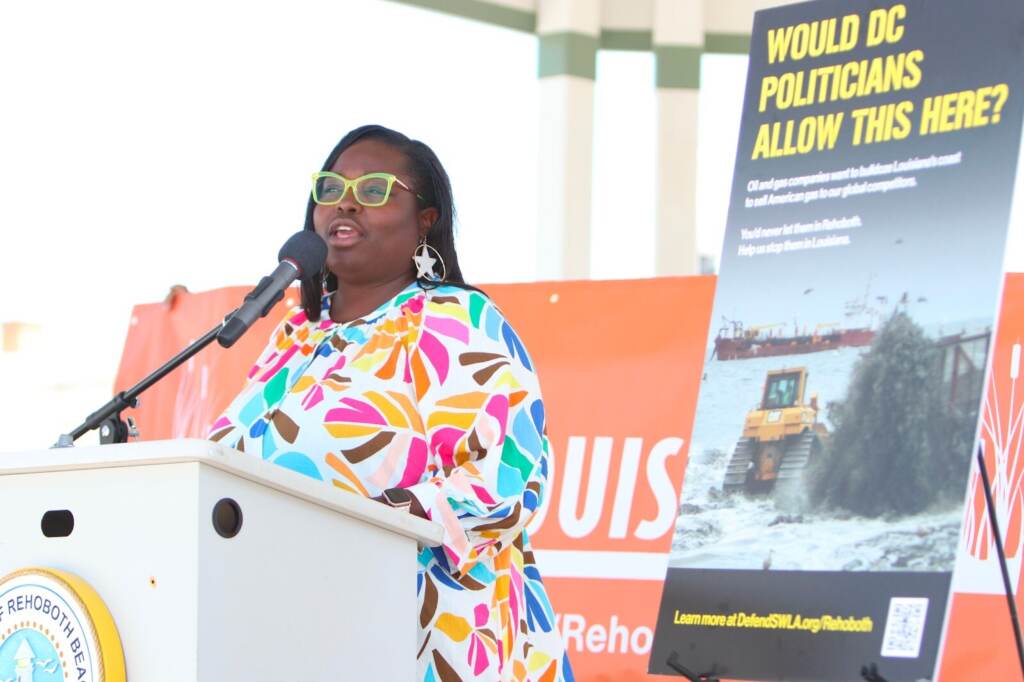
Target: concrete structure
{"type": "Point", "coordinates": [570, 33]}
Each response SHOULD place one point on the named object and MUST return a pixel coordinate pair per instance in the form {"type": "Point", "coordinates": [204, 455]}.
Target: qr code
{"type": "Point", "coordinates": [904, 627]}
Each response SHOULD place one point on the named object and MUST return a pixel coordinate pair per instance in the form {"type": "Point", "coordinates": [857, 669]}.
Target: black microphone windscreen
{"type": "Point", "coordinates": [306, 250]}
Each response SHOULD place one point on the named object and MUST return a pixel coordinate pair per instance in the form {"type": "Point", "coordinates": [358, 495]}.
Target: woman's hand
{"type": "Point", "coordinates": [400, 498]}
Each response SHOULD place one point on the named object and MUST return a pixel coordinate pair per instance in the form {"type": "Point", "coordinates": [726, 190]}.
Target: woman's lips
{"type": "Point", "coordinates": [342, 234]}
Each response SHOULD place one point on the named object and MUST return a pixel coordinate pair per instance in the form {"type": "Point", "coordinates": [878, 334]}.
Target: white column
{"type": "Point", "coordinates": [735, 17]}
{"type": "Point", "coordinates": [727, 23]}
{"type": "Point", "coordinates": [568, 33]}
{"type": "Point", "coordinates": [678, 40]}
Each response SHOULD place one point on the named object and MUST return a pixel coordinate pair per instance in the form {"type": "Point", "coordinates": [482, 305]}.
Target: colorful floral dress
{"type": "Point", "coordinates": [432, 392]}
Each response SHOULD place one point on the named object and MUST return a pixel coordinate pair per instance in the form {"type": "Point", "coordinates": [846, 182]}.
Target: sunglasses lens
{"type": "Point", "coordinates": [372, 191]}
{"type": "Point", "coordinates": [327, 190]}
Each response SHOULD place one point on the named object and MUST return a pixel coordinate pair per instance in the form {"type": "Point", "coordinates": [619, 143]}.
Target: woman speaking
{"type": "Point", "coordinates": [397, 381]}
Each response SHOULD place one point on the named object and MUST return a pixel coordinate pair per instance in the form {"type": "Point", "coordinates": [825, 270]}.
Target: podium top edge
{"type": "Point", "coordinates": [208, 453]}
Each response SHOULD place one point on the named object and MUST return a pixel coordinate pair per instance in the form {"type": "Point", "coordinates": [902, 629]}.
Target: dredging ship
{"type": "Point", "coordinates": [737, 342]}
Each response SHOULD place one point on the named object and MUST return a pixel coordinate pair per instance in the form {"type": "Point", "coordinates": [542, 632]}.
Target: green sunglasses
{"type": "Point", "coordinates": [372, 189]}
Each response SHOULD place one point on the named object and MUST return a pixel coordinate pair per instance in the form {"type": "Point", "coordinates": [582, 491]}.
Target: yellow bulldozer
{"type": "Point", "coordinates": [781, 436]}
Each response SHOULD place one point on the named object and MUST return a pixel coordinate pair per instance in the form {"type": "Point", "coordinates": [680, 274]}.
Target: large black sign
{"type": "Point", "coordinates": [860, 277]}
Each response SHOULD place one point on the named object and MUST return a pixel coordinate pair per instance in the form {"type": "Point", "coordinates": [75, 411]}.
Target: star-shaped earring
{"type": "Point", "coordinates": [424, 263]}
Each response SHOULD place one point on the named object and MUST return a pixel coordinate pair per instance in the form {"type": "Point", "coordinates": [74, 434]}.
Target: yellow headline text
{"type": "Point", "coordinates": [899, 71]}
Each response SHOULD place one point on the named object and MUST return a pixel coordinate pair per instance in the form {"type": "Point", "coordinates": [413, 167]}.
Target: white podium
{"type": "Point", "coordinates": [318, 584]}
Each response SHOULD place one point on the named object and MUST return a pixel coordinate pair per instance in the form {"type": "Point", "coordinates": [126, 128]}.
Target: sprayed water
{"type": "Point", "coordinates": [715, 530]}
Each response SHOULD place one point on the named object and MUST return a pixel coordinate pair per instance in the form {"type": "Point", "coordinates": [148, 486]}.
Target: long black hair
{"type": "Point", "coordinates": [429, 180]}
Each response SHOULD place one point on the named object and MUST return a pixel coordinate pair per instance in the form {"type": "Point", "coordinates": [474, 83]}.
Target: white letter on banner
{"type": "Point", "coordinates": [618, 633]}
{"type": "Point", "coordinates": [661, 486]}
{"type": "Point", "coordinates": [641, 640]}
{"type": "Point", "coordinates": [626, 487]}
{"type": "Point", "coordinates": [572, 628]}
{"type": "Point", "coordinates": [597, 637]}
{"type": "Point", "coordinates": [573, 526]}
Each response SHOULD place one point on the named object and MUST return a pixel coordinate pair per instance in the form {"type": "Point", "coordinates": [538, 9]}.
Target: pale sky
{"type": "Point", "coordinates": [154, 118]}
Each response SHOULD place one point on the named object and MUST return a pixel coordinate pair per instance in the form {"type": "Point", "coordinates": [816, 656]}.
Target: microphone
{"type": "Point", "coordinates": [302, 257]}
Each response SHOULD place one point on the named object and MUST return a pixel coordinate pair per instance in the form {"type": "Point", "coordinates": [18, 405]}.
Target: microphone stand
{"type": "Point", "coordinates": [674, 663]}
{"type": "Point", "coordinates": [998, 539]}
{"type": "Point", "coordinates": [113, 428]}
{"type": "Point", "coordinates": [304, 251]}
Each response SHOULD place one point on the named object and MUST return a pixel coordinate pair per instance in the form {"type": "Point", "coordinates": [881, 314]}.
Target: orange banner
{"type": "Point", "coordinates": [979, 638]}
{"type": "Point", "coordinates": [620, 364]}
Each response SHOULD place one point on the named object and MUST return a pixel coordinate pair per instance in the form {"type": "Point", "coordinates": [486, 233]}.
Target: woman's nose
{"type": "Point", "coordinates": [348, 203]}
